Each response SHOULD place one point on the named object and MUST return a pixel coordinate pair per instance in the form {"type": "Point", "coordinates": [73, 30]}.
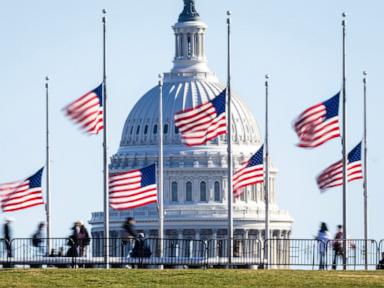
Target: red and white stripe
{"type": "Point", "coordinates": [247, 176]}
{"type": "Point", "coordinates": [311, 128]}
{"type": "Point", "coordinates": [333, 175]}
{"type": "Point", "coordinates": [18, 195]}
{"type": "Point", "coordinates": [87, 112]}
{"type": "Point", "coordinates": [201, 124]}
{"type": "Point", "coordinates": [126, 192]}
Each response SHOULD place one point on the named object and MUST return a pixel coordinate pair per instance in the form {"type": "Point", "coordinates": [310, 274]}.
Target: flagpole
{"type": "Point", "coordinates": [344, 152]}
{"type": "Point", "coordinates": [47, 166]}
{"type": "Point", "coordinates": [266, 181]}
{"type": "Point", "coordinates": [105, 145]}
{"type": "Point", "coordinates": [365, 183]}
{"type": "Point", "coordinates": [229, 144]}
{"type": "Point", "coordinates": [161, 166]}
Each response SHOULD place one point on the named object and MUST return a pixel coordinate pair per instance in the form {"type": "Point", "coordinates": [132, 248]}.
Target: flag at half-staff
{"type": "Point", "coordinates": [132, 189]}
{"type": "Point", "coordinates": [251, 173]}
{"type": "Point", "coordinates": [333, 175]}
{"type": "Point", "coordinates": [22, 194]}
{"type": "Point", "coordinates": [318, 124]}
{"type": "Point", "coordinates": [203, 123]}
{"type": "Point", "coordinates": [87, 111]}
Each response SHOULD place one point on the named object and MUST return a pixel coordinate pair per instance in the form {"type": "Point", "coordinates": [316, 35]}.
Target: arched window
{"type": "Point", "coordinates": [165, 129]}
{"type": "Point", "coordinates": [217, 192]}
{"type": "Point", "coordinates": [203, 191]}
{"type": "Point", "coordinates": [174, 192]}
{"type": "Point", "coordinates": [138, 130]}
{"type": "Point", "coordinates": [188, 191]}
{"type": "Point", "coordinates": [155, 129]}
{"type": "Point", "coordinates": [131, 131]}
{"type": "Point", "coordinates": [176, 130]}
{"type": "Point", "coordinates": [146, 130]}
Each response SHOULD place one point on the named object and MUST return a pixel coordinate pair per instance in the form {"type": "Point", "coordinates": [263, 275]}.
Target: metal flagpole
{"type": "Point", "coordinates": [365, 183]}
{"type": "Point", "coordinates": [344, 141]}
{"type": "Point", "coordinates": [161, 168]}
{"type": "Point", "coordinates": [48, 204]}
{"type": "Point", "coordinates": [229, 144]}
{"type": "Point", "coordinates": [105, 159]}
{"type": "Point", "coordinates": [266, 180]}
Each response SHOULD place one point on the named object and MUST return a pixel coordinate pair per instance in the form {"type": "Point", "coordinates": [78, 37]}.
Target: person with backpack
{"type": "Point", "coordinates": [38, 240]}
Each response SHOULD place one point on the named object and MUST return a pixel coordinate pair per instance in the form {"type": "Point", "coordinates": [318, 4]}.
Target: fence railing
{"type": "Point", "coordinates": [271, 253]}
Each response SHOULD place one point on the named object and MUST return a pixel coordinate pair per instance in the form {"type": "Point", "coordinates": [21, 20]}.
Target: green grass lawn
{"type": "Point", "coordinates": [187, 278]}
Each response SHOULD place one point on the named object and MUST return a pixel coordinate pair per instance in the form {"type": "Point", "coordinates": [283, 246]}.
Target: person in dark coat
{"type": "Point", "coordinates": [380, 266]}
{"type": "Point", "coordinates": [38, 239]}
{"type": "Point", "coordinates": [8, 236]}
{"type": "Point", "coordinates": [141, 249]}
{"type": "Point", "coordinates": [79, 240]}
{"type": "Point", "coordinates": [130, 234]}
{"type": "Point", "coordinates": [338, 246]}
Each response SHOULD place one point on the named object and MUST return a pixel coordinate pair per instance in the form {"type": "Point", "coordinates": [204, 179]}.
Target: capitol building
{"type": "Point", "coordinates": [195, 178]}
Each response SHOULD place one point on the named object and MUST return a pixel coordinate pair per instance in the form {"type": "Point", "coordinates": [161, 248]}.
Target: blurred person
{"type": "Point", "coordinates": [141, 249]}
{"type": "Point", "coordinates": [7, 232]}
{"type": "Point", "coordinates": [38, 239]}
{"type": "Point", "coordinates": [380, 266]}
{"type": "Point", "coordinates": [338, 246]}
{"type": "Point", "coordinates": [130, 234]}
{"type": "Point", "coordinates": [323, 237]}
{"type": "Point", "coordinates": [79, 240]}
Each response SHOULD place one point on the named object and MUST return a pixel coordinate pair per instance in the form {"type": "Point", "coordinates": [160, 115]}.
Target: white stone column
{"type": "Point", "coordinates": [180, 236]}
{"type": "Point", "coordinates": [193, 48]}
{"type": "Point", "coordinates": [214, 243]}
{"type": "Point", "coordinates": [185, 45]}
{"type": "Point", "coordinates": [197, 45]}
{"type": "Point", "coordinates": [197, 234]}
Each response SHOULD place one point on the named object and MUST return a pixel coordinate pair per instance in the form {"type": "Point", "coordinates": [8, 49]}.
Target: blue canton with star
{"type": "Point", "coordinates": [332, 106]}
{"type": "Point", "coordinates": [355, 154]}
{"type": "Point", "coordinates": [257, 158]}
{"type": "Point", "coordinates": [148, 175]}
{"type": "Point", "coordinates": [219, 103]}
{"type": "Point", "coordinates": [35, 179]}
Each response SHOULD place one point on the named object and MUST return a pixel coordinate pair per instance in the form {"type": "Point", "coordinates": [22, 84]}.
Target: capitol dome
{"type": "Point", "coordinates": [195, 178]}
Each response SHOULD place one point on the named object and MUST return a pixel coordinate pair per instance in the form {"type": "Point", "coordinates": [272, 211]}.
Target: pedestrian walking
{"type": "Point", "coordinates": [79, 240]}
{"type": "Point", "coordinates": [338, 246]}
{"type": "Point", "coordinates": [7, 232]}
{"type": "Point", "coordinates": [38, 239]}
{"type": "Point", "coordinates": [130, 235]}
{"type": "Point", "coordinates": [323, 237]}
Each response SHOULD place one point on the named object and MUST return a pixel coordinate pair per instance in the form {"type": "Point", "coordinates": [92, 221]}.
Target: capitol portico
{"type": "Point", "coordinates": [195, 178]}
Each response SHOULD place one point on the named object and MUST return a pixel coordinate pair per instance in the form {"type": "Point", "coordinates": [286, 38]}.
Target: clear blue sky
{"type": "Point", "coordinates": [297, 42]}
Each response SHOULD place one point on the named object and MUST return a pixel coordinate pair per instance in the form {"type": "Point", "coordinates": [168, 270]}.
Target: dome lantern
{"type": "Point", "coordinates": [189, 41]}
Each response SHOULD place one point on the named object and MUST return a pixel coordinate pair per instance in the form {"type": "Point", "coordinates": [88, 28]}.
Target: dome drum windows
{"type": "Point", "coordinates": [203, 192]}
{"type": "Point", "coordinates": [217, 192]}
{"type": "Point", "coordinates": [188, 192]}
{"type": "Point", "coordinates": [174, 192]}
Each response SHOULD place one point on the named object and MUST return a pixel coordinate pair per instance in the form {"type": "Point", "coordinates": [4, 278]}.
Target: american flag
{"type": "Point", "coordinates": [87, 111]}
{"type": "Point", "coordinates": [203, 123]}
{"type": "Point", "coordinates": [251, 173]}
{"type": "Point", "coordinates": [22, 194]}
{"type": "Point", "coordinates": [333, 175]}
{"type": "Point", "coordinates": [133, 189]}
{"type": "Point", "coordinates": [318, 124]}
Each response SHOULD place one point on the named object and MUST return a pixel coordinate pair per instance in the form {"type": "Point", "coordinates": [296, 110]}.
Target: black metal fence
{"type": "Point", "coordinates": [178, 253]}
